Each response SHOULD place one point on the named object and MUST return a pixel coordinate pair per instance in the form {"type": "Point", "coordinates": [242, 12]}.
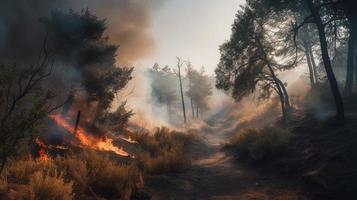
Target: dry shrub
{"type": "Point", "coordinates": [87, 174]}
{"type": "Point", "coordinates": [45, 186]}
{"type": "Point", "coordinates": [165, 151]}
{"type": "Point", "coordinates": [166, 162]}
{"type": "Point", "coordinates": [99, 175]}
{"type": "Point", "coordinates": [260, 144]}
{"type": "Point", "coordinates": [32, 179]}
{"type": "Point", "coordinates": [272, 193]}
{"type": "Point", "coordinates": [20, 171]}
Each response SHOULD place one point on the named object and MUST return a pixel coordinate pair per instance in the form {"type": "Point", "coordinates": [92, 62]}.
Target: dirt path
{"type": "Point", "coordinates": [217, 176]}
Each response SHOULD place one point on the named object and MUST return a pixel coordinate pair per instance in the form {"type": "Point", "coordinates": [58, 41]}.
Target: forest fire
{"type": "Point", "coordinates": [42, 155]}
{"type": "Point", "coordinates": [86, 140]}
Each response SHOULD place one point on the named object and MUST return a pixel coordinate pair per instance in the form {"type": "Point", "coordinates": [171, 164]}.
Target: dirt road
{"type": "Point", "coordinates": [217, 176]}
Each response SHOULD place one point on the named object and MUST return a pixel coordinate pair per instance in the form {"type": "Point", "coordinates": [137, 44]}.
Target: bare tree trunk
{"type": "Point", "coordinates": [169, 109]}
{"type": "Point", "coordinates": [179, 64]}
{"type": "Point", "coordinates": [193, 109]}
{"type": "Point", "coordinates": [355, 60]}
{"type": "Point", "coordinates": [314, 66]}
{"type": "Point", "coordinates": [197, 111]}
{"type": "Point", "coordinates": [285, 93]}
{"type": "Point", "coordinates": [350, 64]}
{"type": "Point", "coordinates": [309, 64]}
{"type": "Point", "coordinates": [77, 122]}
{"type": "Point", "coordinates": [340, 112]}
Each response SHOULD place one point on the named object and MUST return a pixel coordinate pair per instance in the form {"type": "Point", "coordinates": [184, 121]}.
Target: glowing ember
{"type": "Point", "coordinates": [86, 140]}
{"type": "Point", "coordinates": [42, 155]}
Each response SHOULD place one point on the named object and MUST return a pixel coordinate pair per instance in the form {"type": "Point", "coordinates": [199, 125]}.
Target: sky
{"type": "Point", "coordinates": [192, 30]}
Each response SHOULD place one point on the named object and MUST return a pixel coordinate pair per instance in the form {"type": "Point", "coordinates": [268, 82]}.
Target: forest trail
{"type": "Point", "coordinates": [218, 176]}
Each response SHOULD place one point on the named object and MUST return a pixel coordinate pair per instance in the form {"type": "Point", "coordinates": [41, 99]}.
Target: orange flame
{"type": "Point", "coordinates": [42, 155]}
{"type": "Point", "coordinates": [86, 140]}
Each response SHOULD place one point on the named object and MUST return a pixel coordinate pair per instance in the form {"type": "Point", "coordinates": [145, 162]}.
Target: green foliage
{"type": "Point", "coordinates": [163, 89]}
{"type": "Point", "coordinates": [117, 120]}
{"type": "Point", "coordinates": [77, 39]}
{"type": "Point", "coordinates": [199, 87]}
{"type": "Point", "coordinates": [249, 59]}
{"type": "Point", "coordinates": [260, 144]}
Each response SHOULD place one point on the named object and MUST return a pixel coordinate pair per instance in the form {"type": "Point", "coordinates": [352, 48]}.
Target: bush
{"type": "Point", "coordinates": [86, 174]}
{"type": "Point", "coordinates": [32, 179]}
{"type": "Point", "coordinates": [257, 145]}
{"type": "Point", "coordinates": [165, 151]}
{"type": "Point", "coordinates": [44, 187]}
{"type": "Point", "coordinates": [100, 175]}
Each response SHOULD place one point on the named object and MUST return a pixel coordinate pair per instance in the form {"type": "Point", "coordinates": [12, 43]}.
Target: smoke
{"type": "Point", "coordinates": [128, 23]}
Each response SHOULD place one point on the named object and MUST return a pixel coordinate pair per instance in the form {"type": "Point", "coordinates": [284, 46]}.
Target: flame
{"type": "Point", "coordinates": [42, 155]}
{"type": "Point", "coordinates": [86, 140]}
{"type": "Point", "coordinates": [129, 140]}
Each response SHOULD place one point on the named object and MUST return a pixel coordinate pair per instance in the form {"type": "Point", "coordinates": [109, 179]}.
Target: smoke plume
{"type": "Point", "coordinates": [128, 23]}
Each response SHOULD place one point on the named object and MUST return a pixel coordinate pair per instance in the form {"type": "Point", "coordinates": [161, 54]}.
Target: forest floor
{"type": "Point", "coordinates": [216, 175]}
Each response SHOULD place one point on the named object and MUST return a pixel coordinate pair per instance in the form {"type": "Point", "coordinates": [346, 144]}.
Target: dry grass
{"type": "Point", "coordinates": [92, 175]}
{"type": "Point", "coordinates": [32, 179]}
{"type": "Point", "coordinates": [260, 144]}
{"type": "Point", "coordinates": [165, 151]}
{"type": "Point", "coordinates": [84, 175]}
{"type": "Point", "coordinates": [272, 193]}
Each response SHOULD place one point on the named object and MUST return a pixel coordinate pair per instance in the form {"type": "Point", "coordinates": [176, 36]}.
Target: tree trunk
{"type": "Point", "coordinates": [193, 109]}
{"type": "Point", "coordinates": [169, 110]}
{"type": "Point", "coordinates": [285, 94]}
{"type": "Point", "coordinates": [197, 111]}
{"type": "Point", "coordinates": [77, 122]}
{"type": "Point", "coordinates": [283, 105]}
{"type": "Point", "coordinates": [314, 67]}
{"type": "Point", "coordinates": [309, 64]}
{"type": "Point", "coordinates": [281, 90]}
{"type": "Point", "coordinates": [312, 57]}
{"type": "Point", "coordinates": [340, 112]}
{"type": "Point", "coordinates": [350, 63]}
{"type": "Point", "coordinates": [355, 59]}
{"type": "Point", "coordinates": [181, 90]}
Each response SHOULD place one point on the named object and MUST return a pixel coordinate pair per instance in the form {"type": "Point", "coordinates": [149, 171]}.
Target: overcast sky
{"type": "Point", "coordinates": [191, 29]}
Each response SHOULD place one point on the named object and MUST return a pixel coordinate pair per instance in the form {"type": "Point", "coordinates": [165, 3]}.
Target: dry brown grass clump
{"type": "Point", "coordinates": [272, 193]}
{"type": "Point", "coordinates": [32, 179]}
{"type": "Point", "coordinates": [85, 175]}
{"type": "Point", "coordinates": [98, 175]}
{"type": "Point", "coordinates": [165, 151]}
{"type": "Point", "coordinates": [260, 144]}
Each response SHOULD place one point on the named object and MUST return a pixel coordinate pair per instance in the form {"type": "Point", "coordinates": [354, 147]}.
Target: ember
{"type": "Point", "coordinates": [42, 155]}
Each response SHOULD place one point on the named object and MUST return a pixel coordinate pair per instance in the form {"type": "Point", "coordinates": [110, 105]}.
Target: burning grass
{"type": "Point", "coordinates": [260, 144]}
{"type": "Point", "coordinates": [83, 173]}
{"type": "Point", "coordinates": [86, 139]}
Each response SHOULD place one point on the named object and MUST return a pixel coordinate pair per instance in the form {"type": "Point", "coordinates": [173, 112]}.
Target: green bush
{"type": "Point", "coordinates": [260, 144]}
